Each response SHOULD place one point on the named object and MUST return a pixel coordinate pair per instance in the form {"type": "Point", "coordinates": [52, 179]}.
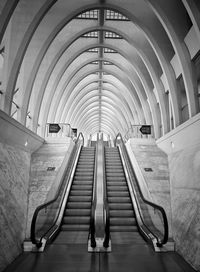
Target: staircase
{"type": "Point", "coordinates": [123, 226]}
{"type": "Point", "coordinates": [76, 219]}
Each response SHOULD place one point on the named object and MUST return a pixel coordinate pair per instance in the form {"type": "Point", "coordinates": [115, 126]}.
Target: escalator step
{"type": "Point", "coordinates": [78, 205]}
{"type": "Point", "coordinates": [82, 187]}
{"type": "Point", "coordinates": [81, 193]}
{"type": "Point", "coordinates": [119, 200]}
{"type": "Point", "coordinates": [77, 212]}
{"type": "Point", "coordinates": [120, 206]}
{"type": "Point", "coordinates": [80, 198]}
{"type": "Point", "coordinates": [74, 227]}
{"type": "Point", "coordinates": [118, 194]}
{"type": "Point", "coordinates": [121, 213]}
{"type": "Point", "coordinates": [122, 221]}
{"type": "Point", "coordinates": [124, 228]}
{"type": "Point", "coordinates": [82, 220]}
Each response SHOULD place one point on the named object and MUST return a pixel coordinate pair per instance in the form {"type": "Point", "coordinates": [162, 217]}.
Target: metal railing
{"type": "Point", "coordinates": [106, 207]}
{"type": "Point", "coordinates": [92, 217]}
{"type": "Point", "coordinates": [153, 220]}
{"type": "Point", "coordinates": [47, 217]}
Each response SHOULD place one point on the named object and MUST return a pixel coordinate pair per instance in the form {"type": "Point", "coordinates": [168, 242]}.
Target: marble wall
{"type": "Point", "coordinates": [41, 179]}
{"type": "Point", "coordinates": [14, 180]}
{"type": "Point", "coordinates": [185, 197]}
{"type": "Point", "coordinates": [150, 157]}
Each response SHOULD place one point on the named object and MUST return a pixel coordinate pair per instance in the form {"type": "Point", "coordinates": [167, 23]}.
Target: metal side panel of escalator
{"type": "Point", "coordinates": [123, 224]}
{"type": "Point", "coordinates": [76, 218]}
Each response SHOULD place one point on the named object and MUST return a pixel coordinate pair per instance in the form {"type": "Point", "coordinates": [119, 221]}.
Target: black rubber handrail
{"type": "Point", "coordinates": [106, 207]}
{"type": "Point", "coordinates": [92, 217]}
{"type": "Point", "coordinates": [160, 242]}
{"type": "Point", "coordinates": [34, 240]}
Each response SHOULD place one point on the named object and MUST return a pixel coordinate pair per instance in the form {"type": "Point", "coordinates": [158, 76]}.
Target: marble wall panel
{"type": "Point", "coordinates": [41, 180]}
{"type": "Point", "coordinates": [185, 197]}
{"type": "Point", "coordinates": [14, 180]}
{"type": "Point", "coordinates": [148, 155]}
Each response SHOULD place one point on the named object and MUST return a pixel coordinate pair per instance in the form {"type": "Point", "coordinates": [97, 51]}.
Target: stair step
{"type": "Point", "coordinates": [119, 200]}
{"type": "Point", "coordinates": [124, 228]}
{"type": "Point", "coordinates": [120, 206]}
{"type": "Point", "coordinates": [80, 198]}
{"type": "Point", "coordinates": [81, 187]}
{"type": "Point", "coordinates": [116, 183]}
{"type": "Point", "coordinates": [78, 205]}
{"type": "Point", "coordinates": [117, 188]}
{"type": "Point", "coordinates": [118, 194]}
{"type": "Point", "coordinates": [84, 178]}
{"type": "Point", "coordinates": [76, 220]}
{"type": "Point", "coordinates": [116, 178]}
{"type": "Point", "coordinates": [82, 182]}
{"type": "Point", "coordinates": [77, 212]}
{"type": "Point", "coordinates": [81, 193]}
{"type": "Point", "coordinates": [122, 221]}
{"type": "Point", "coordinates": [74, 227]}
{"type": "Point", "coordinates": [121, 213]}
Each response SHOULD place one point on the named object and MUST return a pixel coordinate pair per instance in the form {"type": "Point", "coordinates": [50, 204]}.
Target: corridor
{"type": "Point", "coordinates": [128, 72]}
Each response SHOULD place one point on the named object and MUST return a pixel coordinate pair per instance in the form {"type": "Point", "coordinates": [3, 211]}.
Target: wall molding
{"type": "Point", "coordinates": [14, 133]}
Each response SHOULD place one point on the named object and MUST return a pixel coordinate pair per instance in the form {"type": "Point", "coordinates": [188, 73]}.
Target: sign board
{"type": "Point", "coordinates": [54, 128]}
{"type": "Point", "coordinates": [145, 129]}
{"type": "Point", "coordinates": [74, 132]}
{"type": "Point", "coordinates": [51, 168]}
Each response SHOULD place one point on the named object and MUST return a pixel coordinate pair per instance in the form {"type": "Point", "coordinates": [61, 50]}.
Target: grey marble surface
{"type": "Point", "coordinates": [42, 180]}
{"type": "Point", "coordinates": [148, 155]}
{"type": "Point", "coordinates": [185, 191]}
{"type": "Point", "coordinates": [14, 180]}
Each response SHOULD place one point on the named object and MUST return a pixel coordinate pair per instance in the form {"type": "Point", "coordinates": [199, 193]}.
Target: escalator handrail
{"type": "Point", "coordinates": [155, 206]}
{"type": "Point", "coordinates": [72, 158]}
{"type": "Point", "coordinates": [92, 217]}
{"type": "Point", "coordinates": [106, 207]}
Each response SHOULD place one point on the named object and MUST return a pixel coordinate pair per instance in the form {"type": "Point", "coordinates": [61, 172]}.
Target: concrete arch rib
{"type": "Point", "coordinates": [155, 123]}
{"type": "Point", "coordinates": [22, 50]}
{"type": "Point", "coordinates": [6, 14]}
{"type": "Point", "coordinates": [194, 14]}
{"type": "Point", "coordinates": [177, 41]}
{"type": "Point", "coordinates": [40, 92]}
{"type": "Point", "coordinates": [87, 95]}
{"type": "Point", "coordinates": [60, 92]}
{"type": "Point", "coordinates": [94, 119]}
{"type": "Point", "coordinates": [88, 113]}
{"type": "Point", "coordinates": [73, 86]}
{"type": "Point", "coordinates": [113, 109]}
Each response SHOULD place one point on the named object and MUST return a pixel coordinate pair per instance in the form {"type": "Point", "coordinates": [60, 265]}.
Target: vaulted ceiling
{"type": "Point", "coordinates": [101, 66]}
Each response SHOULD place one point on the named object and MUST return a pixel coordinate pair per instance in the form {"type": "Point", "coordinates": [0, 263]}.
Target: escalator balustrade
{"type": "Point", "coordinates": [123, 225]}
{"type": "Point", "coordinates": [76, 220]}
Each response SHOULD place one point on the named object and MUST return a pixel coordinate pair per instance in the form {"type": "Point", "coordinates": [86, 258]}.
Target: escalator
{"type": "Point", "coordinates": [68, 251]}
{"type": "Point", "coordinates": [76, 219]}
{"type": "Point", "coordinates": [123, 225]}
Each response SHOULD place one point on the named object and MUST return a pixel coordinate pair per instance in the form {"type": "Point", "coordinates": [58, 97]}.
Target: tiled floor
{"type": "Point", "coordinates": [123, 258]}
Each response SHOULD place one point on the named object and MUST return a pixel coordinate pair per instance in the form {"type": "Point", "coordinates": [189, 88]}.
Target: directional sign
{"type": "Point", "coordinates": [54, 128]}
{"type": "Point", "coordinates": [74, 131]}
{"type": "Point", "coordinates": [145, 129]}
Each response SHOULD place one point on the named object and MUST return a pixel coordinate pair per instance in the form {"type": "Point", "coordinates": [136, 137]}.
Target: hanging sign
{"type": "Point", "coordinates": [145, 129]}
{"type": "Point", "coordinates": [54, 128]}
